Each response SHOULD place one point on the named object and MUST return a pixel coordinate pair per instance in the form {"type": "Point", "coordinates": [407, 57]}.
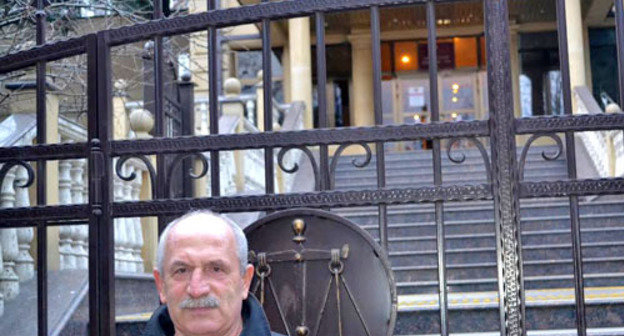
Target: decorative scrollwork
{"type": "Point", "coordinates": [546, 156]}
{"type": "Point", "coordinates": [13, 163]}
{"type": "Point", "coordinates": [295, 166]}
{"type": "Point", "coordinates": [179, 159]}
{"type": "Point", "coordinates": [357, 163]}
{"type": "Point", "coordinates": [132, 176]}
{"type": "Point", "coordinates": [460, 159]}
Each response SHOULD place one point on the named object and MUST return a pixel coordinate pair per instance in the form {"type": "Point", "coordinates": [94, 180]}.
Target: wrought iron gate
{"type": "Point", "coordinates": [504, 188]}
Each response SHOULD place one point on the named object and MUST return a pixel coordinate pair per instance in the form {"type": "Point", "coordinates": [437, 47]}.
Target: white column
{"type": "Point", "coordinates": [79, 233]}
{"type": "Point", "coordinates": [362, 74]}
{"type": "Point", "coordinates": [118, 194]}
{"type": "Point", "coordinates": [576, 52]}
{"type": "Point", "coordinates": [136, 224]}
{"type": "Point", "coordinates": [9, 281]}
{"type": "Point", "coordinates": [128, 225]}
{"type": "Point", "coordinates": [24, 264]}
{"type": "Point", "coordinates": [300, 66]}
{"type": "Point", "coordinates": [68, 259]}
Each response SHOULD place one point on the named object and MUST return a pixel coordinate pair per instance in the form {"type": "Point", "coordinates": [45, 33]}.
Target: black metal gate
{"type": "Point", "coordinates": [504, 188]}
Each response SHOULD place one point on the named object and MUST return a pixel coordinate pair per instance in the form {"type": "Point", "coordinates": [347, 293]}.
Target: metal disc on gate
{"type": "Point", "coordinates": [318, 274]}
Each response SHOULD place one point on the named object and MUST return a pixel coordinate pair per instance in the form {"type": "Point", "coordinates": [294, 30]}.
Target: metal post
{"type": "Point", "coordinates": [101, 228]}
{"type": "Point", "coordinates": [434, 109]}
{"type": "Point", "coordinates": [505, 180]}
{"type": "Point", "coordinates": [579, 287]}
{"type": "Point", "coordinates": [187, 104]}
{"type": "Point", "coordinates": [42, 236]}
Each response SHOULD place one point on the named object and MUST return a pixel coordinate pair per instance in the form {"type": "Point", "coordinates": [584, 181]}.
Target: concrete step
{"type": "Point", "coordinates": [398, 243]}
{"type": "Point", "coordinates": [488, 270]}
{"type": "Point", "coordinates": [482, 210]}
{"type": "Point", "coordinates": [491, 283]}
{"type": "Point", "coordinates": [549, 312]}
{"type": "Point", "coordinates": [419, 155]}
{"type": "Point", "coordinates": [135, 300]}
{"type": "Point", "coordinates": [416, 170]}
{"type": "Point", "coordinates": [427, 181]}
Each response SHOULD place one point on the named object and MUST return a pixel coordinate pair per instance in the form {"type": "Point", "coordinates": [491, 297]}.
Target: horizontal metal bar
{"type": "Point", "coordinates": [572, 188]}
{"type": "Point", "coordinates": [22, 217]}
{"type": "Point", "coordinates": [45, 53]}
{"type": "Point", "coordinates": [44, 152]}
{"type": "Point", "coordinates": [241, 15]}
{"type": "Point", "coordinates": [299, 138]}
{"type": "Point", "coordinates": [576, 123]}
{"type": "Point", "coordinates": [312, 199]}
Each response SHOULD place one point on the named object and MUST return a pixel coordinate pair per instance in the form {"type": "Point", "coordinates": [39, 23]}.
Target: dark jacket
{"type": "Point", "coordinates": [254, 321]}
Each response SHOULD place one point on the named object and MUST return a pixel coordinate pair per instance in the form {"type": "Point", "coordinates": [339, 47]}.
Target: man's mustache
{"type": "Point", "coordinates": [202, 302]}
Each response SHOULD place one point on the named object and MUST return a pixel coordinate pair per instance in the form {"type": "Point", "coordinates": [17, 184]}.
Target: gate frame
{"type": "Point", "coordinates": [505, 188]}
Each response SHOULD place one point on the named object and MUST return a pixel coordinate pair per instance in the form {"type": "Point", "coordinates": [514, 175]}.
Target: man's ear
{"type": "Point", "coordinates": [160, 286]}
{"type": "Point", "coordinates": [247, 277]}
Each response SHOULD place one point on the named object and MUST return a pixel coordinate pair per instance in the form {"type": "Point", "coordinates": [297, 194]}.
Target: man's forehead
{"type": "Point", "coordinates": [203, 227]}
{"type": "Point", "coordinates": [202, 223]}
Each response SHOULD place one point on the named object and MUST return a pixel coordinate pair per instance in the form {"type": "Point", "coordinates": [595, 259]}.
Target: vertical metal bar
{"type": "Point", "coordinates": [219, 52]}
{"type": "Point", "coordinates": [379, 146]}
{"type": "Point", "coordinates": [619, 30]}
{"type": "Point", "coordinates": [579, 287]}
{"type": "Point", "coordinates": [504, 168]}
{"type": "Point", "coordinates": [187, 103]}
{"type": "Point", "coordinates": [159, 114]}
{"type": "Point", "coordinates": [213, 103]}
{"type": "Point", "coordinates": [437, 164]}
{"type": "Point", "coordinates": [42, 236]}
{"type": "Point", "coordinates": [321, 87]}
{"type": "Point", "coordinates": [101, 228]}
{"type": "Point", "coordinates": [267, 76]}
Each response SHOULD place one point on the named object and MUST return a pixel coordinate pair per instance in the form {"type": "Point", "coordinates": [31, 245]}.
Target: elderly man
{"type": "Point", "coordinates": [203, 279]}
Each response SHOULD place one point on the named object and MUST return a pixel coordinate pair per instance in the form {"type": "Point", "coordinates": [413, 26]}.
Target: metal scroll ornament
{"type": "Point", "coordinates": [319, 274]}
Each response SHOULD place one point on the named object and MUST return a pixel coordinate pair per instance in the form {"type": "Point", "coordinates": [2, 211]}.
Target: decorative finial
{"type": "Point", "coordinates": [141, 122]}
{"type": "Point", "coordinates": [232, 87]}
{"type": "Point", "coordinates": [299, 228]}
{"type": "Point", "coordinates": [302, 331]}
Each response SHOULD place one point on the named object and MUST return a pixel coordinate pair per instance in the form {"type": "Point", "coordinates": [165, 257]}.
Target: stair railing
{"type": "Point", "coordinates": [605, 148]}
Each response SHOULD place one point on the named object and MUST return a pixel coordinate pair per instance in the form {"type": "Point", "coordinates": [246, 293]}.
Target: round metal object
{"type": "Point", "coordinates": [300, 294]}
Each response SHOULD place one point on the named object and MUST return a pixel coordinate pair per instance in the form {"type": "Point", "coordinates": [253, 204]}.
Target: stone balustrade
{"type": "Point", "coordinates": [128, 231]}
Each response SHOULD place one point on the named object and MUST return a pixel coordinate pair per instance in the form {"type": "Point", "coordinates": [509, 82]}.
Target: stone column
{"type": "Point", "coordinates": [260, 102]}
{"type": "Point", "coordinates": [23, 101]}
{"type": "Point", "coordinates": [576, 46]}
{"type": "Point", "coordinates": [232, 88]}
{"type": "Point", "coordinates": [287, 76]}
{"type": "Point", "coordinates": [80, 233]}
{"type": "Point", "coordinates": [127, 224]}
{"type": "Point", "coordinates": [24, 264]}
{"type": "Point", "coordinates": [120, 117]}
{"type": "Point", "coordinates": [136, 223]}
{"type": "Point", "coordinates": [301, 65]}
{"type": "Point", "coordinates": [118, 192]}
{"type": "Point", "coordinates": [362, 75]}
{"type": "Point", "coordinates": [68, 258]}
{"type": "Point", "coordinates": [142, 122]}
{"type": "Point", "coordinates": [9, 281]}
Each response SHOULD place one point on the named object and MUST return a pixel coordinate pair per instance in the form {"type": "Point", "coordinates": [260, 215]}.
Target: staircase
{"type": "Point", "coordinates": [470, 247]}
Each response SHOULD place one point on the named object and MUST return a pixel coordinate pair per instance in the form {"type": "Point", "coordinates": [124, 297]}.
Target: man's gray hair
{"type": "Point", "coordinates": [239, 237]}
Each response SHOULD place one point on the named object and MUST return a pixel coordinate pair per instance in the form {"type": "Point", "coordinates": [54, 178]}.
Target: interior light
{"type": "Point", "coordinates": [454, 99]}
{"type": "Point", "coordinates": [454, 115]}
{"type": "Point", "coordinates": [405, 59]}
{"type": "Point", "coordinates": [455, 87]}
